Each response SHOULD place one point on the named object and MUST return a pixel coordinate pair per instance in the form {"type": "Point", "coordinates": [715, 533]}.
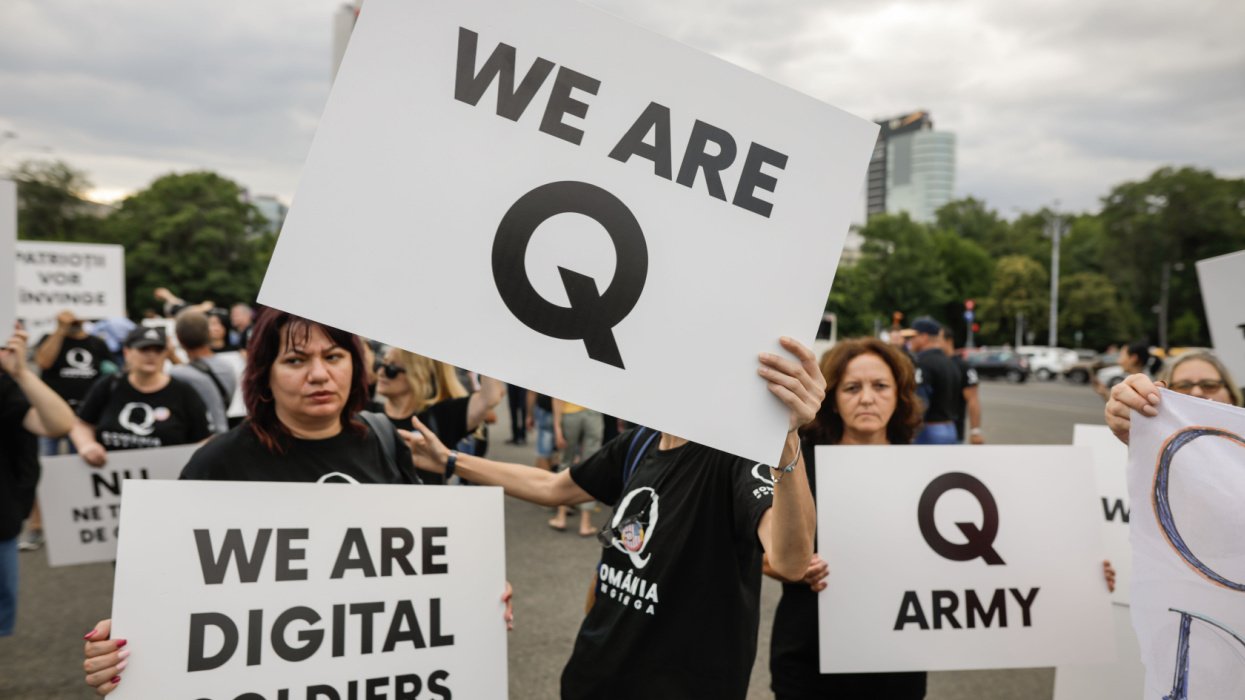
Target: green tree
{"type": "Point", "coordinates": [1091, 305]}
{"type": "Point", "coordinates": [1174, 218]}
{"type": "Point", "coordinates": [1021, 286]}
{"type": "Point", "coordinates": [1084, 248]}
{"type": "Point", "coordinates": [194, 234]}
{"type": "Point", "coordinates": [900, 259]}
{"type": "Point", "coordinates": [852, 300]}
{"type": "Point", "coordinates": [972, 220]}
{"type": "Point", "coordinates": [51, 205]}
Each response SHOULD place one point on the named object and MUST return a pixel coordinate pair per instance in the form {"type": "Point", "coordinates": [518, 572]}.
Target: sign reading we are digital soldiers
{"type": "Point", "coordinates": [946, 558]}
{"type": "Point", "coordinates": [546, 194]}
{"type": "Point", "coordinates": [267, 591]}
{"type": "Point", "coordinates": [81, 504]}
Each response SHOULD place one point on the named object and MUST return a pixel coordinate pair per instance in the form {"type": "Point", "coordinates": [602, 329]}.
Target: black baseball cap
{"type": "Point", "coordinates": [927, 325]}
{"type": "Point", "coordinates": [142, 337]}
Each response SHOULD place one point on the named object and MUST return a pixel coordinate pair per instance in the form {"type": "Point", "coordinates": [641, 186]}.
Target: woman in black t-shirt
{"type": "Point", "coordinates": [143, 408]}
{"type": "Point", "coordinates": [303, 406]}
{"type": "Point", "coordinates": [870, 400]}
{"type": "Point", "coordinates": [414, 385]}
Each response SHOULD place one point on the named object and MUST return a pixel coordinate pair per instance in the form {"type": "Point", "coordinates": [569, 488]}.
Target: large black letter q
{"type": "Point", "coordinates": [592, 315]}
{"type": "Point", "coordinates": [980, 539]}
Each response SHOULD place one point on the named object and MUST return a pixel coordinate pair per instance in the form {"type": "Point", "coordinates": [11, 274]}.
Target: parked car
{"type": "Point", "coordinates": [1086, 367]}
{"type": "Point", "coordinates": [994, 364]}
{"type": "Point", "coordinates": [1046, 362]}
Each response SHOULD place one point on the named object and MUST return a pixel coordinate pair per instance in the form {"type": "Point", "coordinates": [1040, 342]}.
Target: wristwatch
{"type": "Point", "coordinates": [449, 464]}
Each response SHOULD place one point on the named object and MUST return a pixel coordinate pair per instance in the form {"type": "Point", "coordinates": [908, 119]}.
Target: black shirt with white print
{"type": "Point", "coordinates": [238, 455]}
{"type": "Point", "coordinates": [678, 589]}
{"type": "Point", "coordinates": [128, 419]}
{"type": "Point", "coordinates": [76, 367]}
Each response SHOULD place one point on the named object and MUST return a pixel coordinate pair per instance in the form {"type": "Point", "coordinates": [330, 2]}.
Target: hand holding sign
{"type": "Point", "coordinates": [1135, 393]}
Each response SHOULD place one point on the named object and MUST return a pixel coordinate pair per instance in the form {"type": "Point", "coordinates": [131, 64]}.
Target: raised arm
{"type": "Point", "coordinates": [787, 529]}
{"type": "Point", "coordinates": [50, 348]}
{"type": "Point", "coordinates": [519, 480]}
{"type": "Point", "coordinates": [486, 399]}
{"type": "Point", "coordinates": [49, 415]}
{"type": "Point", "coordinates": [1135, 393]}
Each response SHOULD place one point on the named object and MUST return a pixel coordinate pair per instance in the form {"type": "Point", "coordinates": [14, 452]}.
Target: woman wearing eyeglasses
{"type": "Point", "coordinates": [1199, 374]}
{"type": "Point", "coordinates": [417, 386]}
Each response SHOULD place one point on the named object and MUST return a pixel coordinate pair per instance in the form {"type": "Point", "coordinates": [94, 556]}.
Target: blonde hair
{"type": "Point", "coordinates": [431, 381]}
{"type": "Point", "coordinates": [1234, 390]}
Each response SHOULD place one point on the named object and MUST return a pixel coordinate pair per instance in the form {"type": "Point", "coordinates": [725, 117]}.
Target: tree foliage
{"type": "Point", "coordinates": [51, 204]}
{"type": "Point", "coordinates": [1020, 295]}
{"type": "Point", "coordinates": [192, 233]}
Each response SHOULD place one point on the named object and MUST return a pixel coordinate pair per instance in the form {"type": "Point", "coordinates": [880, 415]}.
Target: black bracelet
{"type": "Point", "coordinates": [449, 465]}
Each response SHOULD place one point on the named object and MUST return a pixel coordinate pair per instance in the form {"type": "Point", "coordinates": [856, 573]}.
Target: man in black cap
{"type": "Point", "coordinates": [938, 384]}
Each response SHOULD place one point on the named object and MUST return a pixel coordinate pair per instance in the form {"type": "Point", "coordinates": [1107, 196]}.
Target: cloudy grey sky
{"type": "Point", "coordinates": [1050, 99]}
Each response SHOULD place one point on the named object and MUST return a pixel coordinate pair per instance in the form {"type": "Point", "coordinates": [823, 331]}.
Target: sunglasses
{"type": "Point", "coordinates": [391, 371]}
{"type": "Point", "coordinates": [1208, 386]}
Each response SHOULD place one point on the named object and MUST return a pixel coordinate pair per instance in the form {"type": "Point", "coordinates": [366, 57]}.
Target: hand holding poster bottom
{"type": "Point", "coordinates": [593, 314]}
{"type": "Point", "coordinates": [311, 591]}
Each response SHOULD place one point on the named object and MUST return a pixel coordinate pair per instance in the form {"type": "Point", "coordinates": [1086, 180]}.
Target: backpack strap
{"type": "Point", "coordinates": [204, 368]}
{"type": "Point", "coordinates": [388, 438]}
{"type": "Point", "coordinates": [635, 455]}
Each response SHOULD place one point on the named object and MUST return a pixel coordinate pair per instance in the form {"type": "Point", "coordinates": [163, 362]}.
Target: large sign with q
{"type": "Point", "coordinates": [548, 195]}
{"type": "Point", "coordinates": [949, 558]}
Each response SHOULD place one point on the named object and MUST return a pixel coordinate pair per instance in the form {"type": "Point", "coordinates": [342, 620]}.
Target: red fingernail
{"type": "Point", "coordinates": [121, 643]}
{"type": "Point", "coordinates": [116, 680]}
{"type": "Point", "coordinates": [88, 635]}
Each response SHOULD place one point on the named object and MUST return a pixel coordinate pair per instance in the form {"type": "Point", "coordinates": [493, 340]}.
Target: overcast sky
{"type": "Point", "coordinates": [1050, 99]}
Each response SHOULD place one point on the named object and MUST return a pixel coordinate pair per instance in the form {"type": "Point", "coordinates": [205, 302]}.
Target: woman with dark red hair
{"type": "Point", "coordinates": [305, 424]}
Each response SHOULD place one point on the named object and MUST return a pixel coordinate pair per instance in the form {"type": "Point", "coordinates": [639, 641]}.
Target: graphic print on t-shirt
{"type": "Point", "coordinates": [634, 523]}
{"type": "Point", "coordinates": [80, 364]}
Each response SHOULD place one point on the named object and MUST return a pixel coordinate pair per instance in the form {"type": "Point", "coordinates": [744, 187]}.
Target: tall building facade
{"type": "Point", "coordinates": [912, 169]}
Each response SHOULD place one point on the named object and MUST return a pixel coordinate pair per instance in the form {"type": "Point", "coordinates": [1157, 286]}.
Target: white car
{"type": "Point", "coordinates": [1110, 376]}
{"type": "Point", "coordinates": [1047, 363]}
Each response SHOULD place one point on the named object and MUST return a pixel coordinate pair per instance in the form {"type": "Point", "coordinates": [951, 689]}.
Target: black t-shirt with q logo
{"type": "Point", "coordinates": [127, 419]}
{"type": "Point", "coordinates": [678, 589]}
{"type": "Point", "coordinates": [76, 367]}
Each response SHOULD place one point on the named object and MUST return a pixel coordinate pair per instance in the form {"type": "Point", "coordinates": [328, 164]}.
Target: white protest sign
{"type": "Point", "coordinates": [959, 557]}
{"type": "Point", "coordinates": [1187, 465]}
{"type": "Point", "coordinates": [81, 504]}
{"type": "Point", "coordinates": [556, 198]}
{"type": "Point", "coordinates": [237, 406]}
{"type": "Point", "coordinates": [1111, 476]}
{"type": "Point", "coordinates": [8, 242]}
{"type": "Point", "coordinates": [85, 278]}
{"type": "Point", "coordinates": [1122, 680]}
{"type": "Point", "coordinates": [290, 591]}
{"type": "Point", "coordinates": [1223, 287]}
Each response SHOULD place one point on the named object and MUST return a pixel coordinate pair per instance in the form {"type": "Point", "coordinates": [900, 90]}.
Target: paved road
{"type": "Point", "coordinates": [550, 571]}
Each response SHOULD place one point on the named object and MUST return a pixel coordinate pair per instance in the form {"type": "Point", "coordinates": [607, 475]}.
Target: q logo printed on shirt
{"type": "Point", "coordinates": [138, 418]}
{"type": "Point", "coordinates": [633, 531]}
{"type": "Point", "coordinates": [79, 358]}
{"type": "Point", "coordinates": [980, 544]}
{"type": "Point", "coordinates": [592, 314]}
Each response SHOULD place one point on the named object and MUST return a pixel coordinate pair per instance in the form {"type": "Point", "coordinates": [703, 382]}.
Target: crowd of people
{"type": "Point", "coordinates": [322, 404]}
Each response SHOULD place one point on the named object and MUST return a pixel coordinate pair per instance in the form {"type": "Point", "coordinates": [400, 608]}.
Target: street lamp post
{"type": "Point", "coordinates": [1056, 227]}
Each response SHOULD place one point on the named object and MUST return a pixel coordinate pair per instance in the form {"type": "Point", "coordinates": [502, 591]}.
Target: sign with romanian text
{"type": "Point", "coordinates": [293, 591]}
{"type": "Point", "coordinates": [960, 557]}
{"type": "Point", "coordinates": [595, 205]}
{"type": "Point", "coordinates": [1187, 465]}
{"type": "Point", "coordinates": [81, 504]}
{"type": "Point", "coordinates": [1111, 476]}
{"type": "Point", "coordinates": [8, 269]}
{"type": "Point", "coordinates": [85, 278]}
{"type": "Point", "coordinates": [1223, 287]}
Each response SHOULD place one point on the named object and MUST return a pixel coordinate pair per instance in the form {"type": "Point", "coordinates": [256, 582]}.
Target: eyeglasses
{"type": "Point", "coordinates": [1208, 386]}
{"type": "Point", "coordinates": [391, 371]}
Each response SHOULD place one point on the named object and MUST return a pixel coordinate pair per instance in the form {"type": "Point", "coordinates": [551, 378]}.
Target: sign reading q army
{"type": "Point", "coordinates": [952, 557]}
{"type": "Point", "coordinates": [559, 199]}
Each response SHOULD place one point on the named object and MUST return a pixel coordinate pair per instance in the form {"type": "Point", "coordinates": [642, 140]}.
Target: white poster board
{"type": "Point", "coordinates": [8, 242]}
{"type": "Point", "coordinates": [362, 591]}
{"type": "Point", "coordinates": [237, 406]}
{"type": "Point", "coordinates": [81, 504]}
{"type": "Point", "coordinates": [960, 557]}
{"type": "Point", "coordinates": [1223, 287]}
{"type": "Point", "coordinates": [85, 278]}
{"type": "Point", "coordinates": [1122, 680]}
{"type": "Point", "coordinates": [1111, 475]}
{"type": "Point", "coordinates": [1188, 599]}
{"type": "Point", "coordinates": [651, 257]}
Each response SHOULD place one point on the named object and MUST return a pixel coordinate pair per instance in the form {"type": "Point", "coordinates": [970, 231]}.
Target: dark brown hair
{"type": "Point", "coordinates": [827, 427]}
{"type": "Point", "coordinates": [273, 328]}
